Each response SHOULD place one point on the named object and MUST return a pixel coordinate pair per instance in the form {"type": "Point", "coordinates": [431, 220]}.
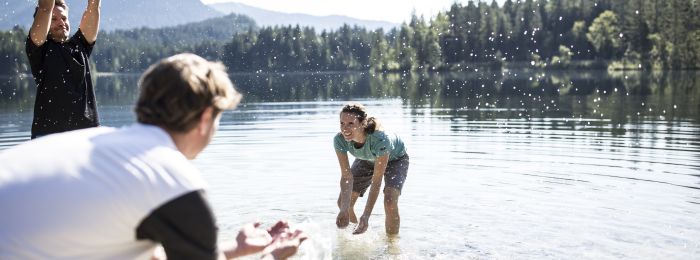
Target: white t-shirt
{"type": "Point", "coordinates": [81, 194]}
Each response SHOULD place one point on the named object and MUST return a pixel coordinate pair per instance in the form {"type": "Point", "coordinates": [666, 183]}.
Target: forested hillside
{"type": "Point", "coordinates": [623, 34]}
{"type": "Point", "coordinates": [134, 50]}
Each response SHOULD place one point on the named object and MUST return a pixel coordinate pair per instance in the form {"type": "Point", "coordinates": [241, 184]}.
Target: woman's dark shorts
{"type": "Point", "coordinates": [394, 176]}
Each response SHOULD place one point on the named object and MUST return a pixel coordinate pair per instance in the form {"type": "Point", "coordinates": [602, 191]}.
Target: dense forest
{"type": "Point", "coordinates": [554, 34]}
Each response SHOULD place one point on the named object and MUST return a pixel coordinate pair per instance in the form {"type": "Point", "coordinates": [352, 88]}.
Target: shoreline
{"type": "Point", "coordinates": [504, 68]}
{"type": "Point", "coordinates": [108, 74]}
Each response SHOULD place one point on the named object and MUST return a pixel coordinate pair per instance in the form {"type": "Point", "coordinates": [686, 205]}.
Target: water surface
{"type": "Point", "coordinates": [515, 164]}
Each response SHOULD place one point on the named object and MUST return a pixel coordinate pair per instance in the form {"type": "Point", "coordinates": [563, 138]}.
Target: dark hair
{"type": "Point", "coordinates": [370, 124]}
{"type": "Point", "coordinates": [61, 3]}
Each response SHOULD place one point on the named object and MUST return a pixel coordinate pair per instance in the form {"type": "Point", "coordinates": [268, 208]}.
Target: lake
{"type": "Point", "coordinates": [504, 164]}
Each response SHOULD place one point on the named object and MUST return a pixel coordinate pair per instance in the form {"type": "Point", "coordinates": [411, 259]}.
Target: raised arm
{"type": "Point", "coordinates": [42, 22]}
{"type": "Point", "coordinates": [346, 180]}
{"type": "Point", "coordinates": [379, 168]}
{"type": "Point", "coordinates": [90, 23]}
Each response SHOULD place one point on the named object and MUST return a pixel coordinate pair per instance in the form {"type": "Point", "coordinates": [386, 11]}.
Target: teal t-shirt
{"type": "Point", "coordinates": [377, 144]}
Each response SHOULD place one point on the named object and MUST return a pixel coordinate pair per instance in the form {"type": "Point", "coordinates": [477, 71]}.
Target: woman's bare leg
{"type": "Point", "coordinates": [391, 209]}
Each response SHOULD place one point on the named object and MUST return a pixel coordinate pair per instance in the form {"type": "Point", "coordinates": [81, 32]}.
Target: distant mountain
{"type": "Point", "coordinates": [219, 29]}
{"type": "Point", "coordinates": [115, 14]}
{"type": "Point", "coordinates": [270, 18]}
{"type": "Point", "coordinates": [133, 50]}
{"type": "Point", "coordinates": [16, 12]}
{"type": "Point", "coordinates": [128, 14]}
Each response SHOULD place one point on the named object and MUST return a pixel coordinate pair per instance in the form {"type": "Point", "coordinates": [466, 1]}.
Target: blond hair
{"type": "Point", "coordinates": [176, 90]}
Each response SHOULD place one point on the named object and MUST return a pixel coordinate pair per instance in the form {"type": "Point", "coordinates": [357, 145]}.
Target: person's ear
{"type": "Point", "coordinates": [206, 121]}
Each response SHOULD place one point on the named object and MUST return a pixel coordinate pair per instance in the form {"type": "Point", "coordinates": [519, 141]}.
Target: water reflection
{"type": "Point", "coordinates": [598, 101]}
{"type": "Point", "coordinates": [587, 93]}
{"type": "Point", "coordinates": [518, 164]}
{"type": "Point", "coordinates": [487, 89]}
{"type": "Point", "coordinates": [585, 100]}
{"type": "Point", "coordinates": [17, 93]}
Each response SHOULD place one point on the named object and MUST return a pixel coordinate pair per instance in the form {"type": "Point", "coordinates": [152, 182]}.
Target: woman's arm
{"type": "Point", "coordinates": [379, 168]}
{"type": "Point", "coordinates": [345, 189]}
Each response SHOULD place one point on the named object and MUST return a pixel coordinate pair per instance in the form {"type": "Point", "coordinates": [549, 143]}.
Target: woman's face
{"type": "Point", "coordinates": [350, 126]}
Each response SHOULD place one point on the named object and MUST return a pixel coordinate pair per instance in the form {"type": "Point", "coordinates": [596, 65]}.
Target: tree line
{"type": "Point", "coordinates": [622, 34]}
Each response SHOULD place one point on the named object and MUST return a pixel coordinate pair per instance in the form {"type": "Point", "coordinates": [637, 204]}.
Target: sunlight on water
{"type": "Point", "coordinates": [481, 189]}
{"type": "Point", "coordinates": [542, 178]}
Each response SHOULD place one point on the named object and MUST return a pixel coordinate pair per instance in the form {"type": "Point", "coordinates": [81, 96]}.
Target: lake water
{"type": "Point", "coordinates": [504, 165]}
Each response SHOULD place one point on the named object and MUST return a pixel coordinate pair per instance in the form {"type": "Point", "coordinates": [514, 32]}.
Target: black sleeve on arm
{"type": "Point", "coordinates": [185, 226]}
{"type": "Point", "coordinates": [36, 57]}
{"type": "Point", "coordinates": [79, 39]}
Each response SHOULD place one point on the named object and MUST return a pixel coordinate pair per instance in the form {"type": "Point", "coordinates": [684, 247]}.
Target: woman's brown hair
{"type": "Point", "coordinates": [369, 123]}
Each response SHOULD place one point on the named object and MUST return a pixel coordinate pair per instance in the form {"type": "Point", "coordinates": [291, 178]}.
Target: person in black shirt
{"type": "Point", "coordinates": [65, 98]}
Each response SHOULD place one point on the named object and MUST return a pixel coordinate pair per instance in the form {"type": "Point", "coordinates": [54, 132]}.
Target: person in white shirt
{"type": "Point", "coordinates": [107, 193]}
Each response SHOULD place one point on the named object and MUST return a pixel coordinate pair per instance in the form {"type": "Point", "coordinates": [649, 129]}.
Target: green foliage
{"type": "Point", "coordinates": [134, 50]}
{"type": "Point", "coordinates": [563, 60]}
{"type": "Point", "coordinates": [604, 33]}
{"type": "Point", "coordinates": [656, 34]}
{"type": "Point", "coordinates": [693, 42]}
{"type": "Point", "coordinates": [659, 51]}
{"type": "Point", "coordinates": [13, 59]}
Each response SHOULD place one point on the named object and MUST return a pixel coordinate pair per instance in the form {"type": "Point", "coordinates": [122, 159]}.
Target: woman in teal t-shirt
{"type": "Point", "coordinates": [378, 154]}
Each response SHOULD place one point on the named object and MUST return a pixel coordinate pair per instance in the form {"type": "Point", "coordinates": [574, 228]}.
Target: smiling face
{"type": "Point", "coordinates": [351, 127]}
{"type": "Point", "coordinates": [60, 27]}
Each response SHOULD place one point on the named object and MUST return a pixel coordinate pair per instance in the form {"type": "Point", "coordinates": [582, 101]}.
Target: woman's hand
{"type": "Point", "coordinates": [361, 226]}
{"type": "Point", "coordinates": [343, 219]}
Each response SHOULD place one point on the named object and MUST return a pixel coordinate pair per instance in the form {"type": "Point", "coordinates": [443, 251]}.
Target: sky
{"type": "Point", "coordinates": [395, 11]}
